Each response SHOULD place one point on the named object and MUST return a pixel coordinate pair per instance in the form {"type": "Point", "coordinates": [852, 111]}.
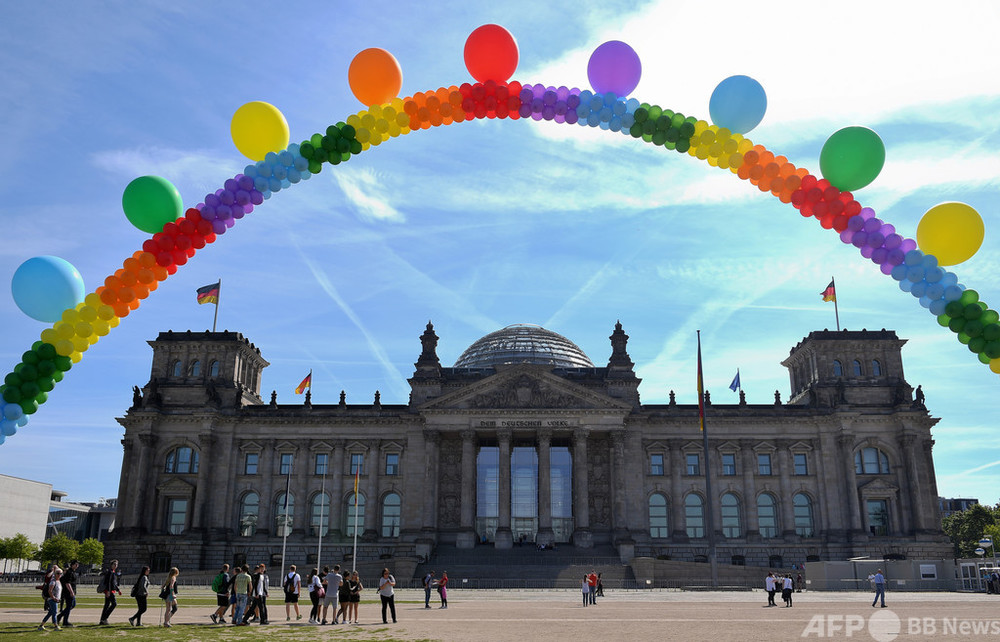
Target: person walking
{"type": "Point", "coordinates": [786, 590]}
{"type": "Point", "coordinates": [770, 588]}
{"type": "Point", "coordinates": [344, 598]}
{"type": "Point", "coordinates": [241, 589]}
{"type": "Point", "coordinates": [168, 593]}
{"type": "Point", "coordinates": [315, 593]}
{"type": "Point", "coordinates": [69, 578]}
{"type": "Point", "coordinates": [442, 585]}
{"type": "Point", "coordinates": [879, 582]}
{"type": "Point", "coordinates": [428, 585]}
{"type": "Point", "coordinates": [109, 586]}
{"type": "Point", "coordinates": [333, 583]}
{"type": "Point", "coordinates": [585, 588]}
{"type": "Point", "coordinates": [355, 599]}
{"type": "Point", "coordinates": [54, 591]}
{"type": "Point", "coordinates": [262, 588]}
{"type": "Point", "coordinates": [292, 585]}
{"type": "Point", "coordinates": [385, 584]}
{"type": "Point", "coordinates": [140, 591]}
{"type": "Point", "coordinates": [220, 586]}
{"type": "Point", "coordinates": [600, 585]}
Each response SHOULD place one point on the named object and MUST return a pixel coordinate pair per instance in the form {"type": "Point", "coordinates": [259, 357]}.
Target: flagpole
{"type": "Point", "coordinates": [709, 526]}
{"type": "Point", "coordinates": [284, 519]}
{"type": "Point", "coordinates": [217, 297]}
{"type": "Point", "coordinates": [836, 314]}
{"type": "Point", "coordinates": [354, 555]}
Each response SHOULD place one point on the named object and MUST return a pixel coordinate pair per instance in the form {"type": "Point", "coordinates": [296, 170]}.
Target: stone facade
{"type": "Point", "coordinates": [843, 469]}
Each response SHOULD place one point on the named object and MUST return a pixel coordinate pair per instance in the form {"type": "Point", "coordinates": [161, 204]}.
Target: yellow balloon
{"type": "Point", "coordinates": [953, 232]}
{"type": "Point", "coordinates": [49, 335]}
{"type": "Point", "coordinates": [258, 128]}
{"type": "Point", "coordinates": [64, 347]}
{"type": "Point", "coordinates": [995, 365]}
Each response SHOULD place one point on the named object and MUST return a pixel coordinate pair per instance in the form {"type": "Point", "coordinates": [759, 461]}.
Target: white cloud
{"type": "Point", "coordinates": [364, 190]}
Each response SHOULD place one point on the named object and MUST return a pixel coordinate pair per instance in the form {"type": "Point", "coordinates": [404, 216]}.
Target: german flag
{"type": "Point", "coordinates": [306, 383]}
{"type": "Point", "coordinates": [830, 293]}
{"type": "Point", "coordinates": [209, 293]}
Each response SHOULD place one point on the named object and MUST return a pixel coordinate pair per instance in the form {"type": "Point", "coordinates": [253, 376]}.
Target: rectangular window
{"type": "Point", "coordinates": [392, 463]}
{"type": "Point", "coordinates": [357, 463]}
{"type": "Point", "coordinates": [763, 463]}
{"type": "Point", "coordinates": [250, 463]}
{"type": "Point", "coordinates": [878, 517]}
{"type": "Point", "coordinates": [322, 459]}
{"type": "Point", "coordinates": [176, 516]}
{"type": "Point", "coordinates": [693, 463]}
{"type": "Point", "coordinates": [285, 467]}
{"type": "Point", "coordinates": [801, 464]}
{"type": "Point", "coordinates": [728, 464]}
{"type": "Point", "coordinates": [656, 464]}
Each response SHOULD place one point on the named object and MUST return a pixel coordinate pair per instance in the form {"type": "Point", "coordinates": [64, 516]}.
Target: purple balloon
{"type": "Point", "coordinates": [614, 67]}
{"type": "Point", "coordinates": [908, 245]}
{"type": "Point", "coordinates": [847, 235]}
{"type": "Point", "coordinates": [879, 255]}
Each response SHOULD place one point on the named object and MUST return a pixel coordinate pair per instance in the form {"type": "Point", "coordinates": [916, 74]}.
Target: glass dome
{"type": "Point", "coordinates": [523, 343]}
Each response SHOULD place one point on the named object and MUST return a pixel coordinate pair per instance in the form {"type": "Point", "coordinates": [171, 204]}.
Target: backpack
{"type": "Point", "coordinates": [219, 583]}
{"type": "Point", "coordinates": [286, 585]}
{"type": "Point", "coordinates": [45, 589]}
{"type": "Point", "coordinates": [102, 585]}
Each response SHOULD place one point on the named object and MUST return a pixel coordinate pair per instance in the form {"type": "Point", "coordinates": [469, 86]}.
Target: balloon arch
{"type": "Point", "coordinates": [51, 290]}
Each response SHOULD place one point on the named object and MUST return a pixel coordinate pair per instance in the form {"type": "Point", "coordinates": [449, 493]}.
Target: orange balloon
{"type": "Point", "coordinates": [375, 77]}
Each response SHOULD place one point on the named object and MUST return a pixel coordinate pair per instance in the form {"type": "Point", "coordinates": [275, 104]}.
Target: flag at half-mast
{"type": "Point", "coordinates": [306, 383]}
{"type": "Point", "coordinates": [701, 391]}
{"type": "Point", "coordinates": [209, 293]}
{"type": "Point", "coordinates": [830, 293]}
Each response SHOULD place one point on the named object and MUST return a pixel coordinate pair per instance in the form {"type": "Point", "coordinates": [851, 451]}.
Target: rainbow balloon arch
{"type": "Point", "coordinates": [51, 290]}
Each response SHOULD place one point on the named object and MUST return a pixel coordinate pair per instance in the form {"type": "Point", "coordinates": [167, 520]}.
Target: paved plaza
{"type": "Point", "coordinates": [661, 615]}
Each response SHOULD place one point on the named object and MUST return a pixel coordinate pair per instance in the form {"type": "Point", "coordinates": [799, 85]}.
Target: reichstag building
{"type": "Point", "coordinates": [524, 440]}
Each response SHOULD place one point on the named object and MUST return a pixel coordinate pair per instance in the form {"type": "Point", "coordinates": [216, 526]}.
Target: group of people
{"type": "Point", "coordinates": [592, 588]}
{"type": "Point", "coordinates": [242, 593]}
{"type": "Point", "coordinates": [59, 590]}
{"type": "Point", "coordinates": [441, 584]}
{"type": "Point", "coordinates": [773, 583]}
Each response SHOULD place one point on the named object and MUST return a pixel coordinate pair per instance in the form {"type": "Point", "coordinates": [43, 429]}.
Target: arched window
{"type": "Point", "coordinates": [838, 368]}
{"type": "Point", "coordinates": [213, 369]}
{"type": "Point", "coordinates": [195, 368]}
{"type": "Point", "coordinates": [694, 516]}
{"type": "Point", "coordinates": [391, 511]}
{"type": "Point", "coordinates": [731, 516]}
{"type": "Point", "coordinates": [767, 515]}
{"type": "Point", "coordinates": [856, 368]}
{"type": "Point", "coordinates": [319, 515]}
{"type": "Point", "coordinates": [658, 516]}
{"type": "Point", "coordinates": [249, 514]}
{"type": "Point", "coordinates": [182, 460]}
{"type": "Point", "coordinates": [354, 518]}
{"type": "Point", "coordinates": [871, 461]}
{"type": "Point", "coordinates": [876, 368]}
{"type": "Point", "coordinates": [177, 369]}
{"type": "Point", "coordinates": [775, 561]}
{"type": "Point", "coordinates": [284, 514]}
{"type": "Point", "coordinates": [803, 515]}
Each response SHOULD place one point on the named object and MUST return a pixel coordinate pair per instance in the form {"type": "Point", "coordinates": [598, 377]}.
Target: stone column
{"type": "Point", "coordinates": [372, 507]}
{"type": "Point", "coordinates": [785, 469]}
{"type": "Point", "coordinates": [545, 534]}
{"type": "Point", "coordinates": [618, 485]}
{"type": "Point", "coordinates": [582, 537]}
{"type": "Point", "coordinates": [678, 530]}
{"type": "Point", "coordinates": [301, 471]}
{"type": "Point", "coordinates": [138, 478]}
{"type": "Point", "coordinates": [204, 507]}
{"type": "Point", "coordinates": [846, 443]}
{"type": "Point", "coordinates": [267, 474]}
{"type": "Point", "coordinates": [466, 538]}
{"type": "Point", "coordinates": [336, 477]}
{"type": "Point", "coordinates": [931, 512]}
{"type": "Point", "coordinates": [747, 467]}
{"type": "Point", "coordinates": [909, 486]}
{"type": "Point", "coordinates": [432, 442]}
{"type": "Point", "coordinates": [149, 479]}
{"type": "Point", "coordinates": [504, 537]}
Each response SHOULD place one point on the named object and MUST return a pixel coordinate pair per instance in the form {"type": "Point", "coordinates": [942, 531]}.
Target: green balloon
{"type": "Point", "coordinates": [944, 320]}
{"type": "Point", "coordinates": [984, 357]}
{"type": "Point", "coordinates": [976, 345]}
{"type": "Point", "coordinates": [992, 349]}
{"type": "Point", "coordinates": [991, 332]}
{"type": "Point", "coordinates": [852, 158]}
{"type": "Point", "coordinates": [150, 202]}
{"type": "Point", "coordinates": [968, 297]}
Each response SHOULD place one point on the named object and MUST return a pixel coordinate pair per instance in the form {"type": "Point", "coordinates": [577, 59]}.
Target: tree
{"type": "Point", "coordinates": [91, 552]}
{"type": "Point", "coordinates": [967, 527]}
{"type": "Point", "coordinates": [19, 547]}
{"type": "Point", "coordinates": [58, 549]}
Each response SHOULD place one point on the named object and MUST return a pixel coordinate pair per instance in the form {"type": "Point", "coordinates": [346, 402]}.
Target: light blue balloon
{"type": "Point", "coordinates": [933, 274]}
{"type": "Point", "coordinates": [925, 301]}
{"type": "Point", "coordinates": [919, 289]}
{"type": "Point", "coordinates": [8, 427]}
{"type": "Point", "coordinates": [938, 306]}
{"type": "Point", "coordinates": [949, 278]}
{"type": "Point", "coordinates": [929, 261]}
{"type": "Point", "coordinates": [12, 411]}
{"type": "Point", "coordinates": [738, 104]}
{"type": "Point", "coordinates": [915, 274]}
{"type": "Point", "coordinates": [953, 293]}
{"type": "Point", "coordinates": [913, 257]}
{"type": "Point", "coordinates": [44, 286]}
{"type": "Point", "coordinates": [899, 272]}
{"type": "Point", "coordinates": [23, 421]}
{"type": "Point", "coordinates": [935, 291]}
{"type": "Point", "coordinates": [905, 285]}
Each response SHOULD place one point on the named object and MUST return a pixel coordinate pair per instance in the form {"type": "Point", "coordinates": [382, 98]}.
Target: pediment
{"type": "Point", "coordinates": [879, 487]}
{"type": "Point", "coordinates": [525, 386]}
{"type": "Point", "coordinates": [285, 446]}
{"type": "Point", "coordinates": [728, 447]}
{"type": "Point", "coordinates": [320, 446]}
{"type": "Point", "coordinates": [176, 486]}
{"type": "Point", "coordinates": [800, 446]}
{"type": "Point", "coordinates": [251, 447]}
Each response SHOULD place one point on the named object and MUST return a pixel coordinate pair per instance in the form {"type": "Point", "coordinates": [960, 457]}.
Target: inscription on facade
{"type": "Point", "coordinates": [524, 423]}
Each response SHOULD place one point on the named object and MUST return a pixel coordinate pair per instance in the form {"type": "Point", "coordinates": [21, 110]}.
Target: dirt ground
{"type": "Point", "coordinates": [661, 615]}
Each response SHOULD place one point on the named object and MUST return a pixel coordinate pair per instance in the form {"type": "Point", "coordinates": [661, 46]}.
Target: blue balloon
{"type": "Point", "coordinates": [913, 257]}
{"type": "Point", "coordinates": [899, 272]}
{"type": "Point", "coordinates": [8, 427]}
{"type": "Point", "coordinates": [953, 292]}
{"type": "Point", "coordinates": [44, 286]}
{"type": "Point", "coordinates": [12, 411]}
{"type": "Point", "coordinates": [919, 289]}
{"type": "Point", "coordinates": [937, 307]}
{"type": "Point", "coordinates": [738, 104]}
{"type": "Point", "coordinates": [905, 285]}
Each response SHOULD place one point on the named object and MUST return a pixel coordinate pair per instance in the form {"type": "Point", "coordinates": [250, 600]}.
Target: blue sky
{"type": "Point", "coordinates": [483, 224]}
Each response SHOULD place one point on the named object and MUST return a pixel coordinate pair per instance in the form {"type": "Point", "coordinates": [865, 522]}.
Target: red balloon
{"type": "Point", "coordinates": [491, 54]}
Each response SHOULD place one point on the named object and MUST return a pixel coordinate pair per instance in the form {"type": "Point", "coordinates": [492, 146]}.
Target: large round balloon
{"type": "Point", "coordinates": [258, 128]}
{"type": "Point", "coordinates": [375, 77]}
{"type": "Point", "coordinates": [953, 232]}
{"type": "Point", "coordinates": [491, 54]}
{"type": "Point", "coordinates": [45, 286]}
{"type": "Point", "coordinates": [738, 104]}
{"type": "Point", "coordinates": [150, 202]}
{"type": "Point", "coordinates": [852, 158]}
{"type": "Point", "coordinates": [614, 67]}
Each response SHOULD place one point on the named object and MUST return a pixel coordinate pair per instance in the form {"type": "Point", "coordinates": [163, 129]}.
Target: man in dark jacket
{"type": "Point", "coordinates": [108, 585]}
{"type": "Point", "coordinates": [69, 579]}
